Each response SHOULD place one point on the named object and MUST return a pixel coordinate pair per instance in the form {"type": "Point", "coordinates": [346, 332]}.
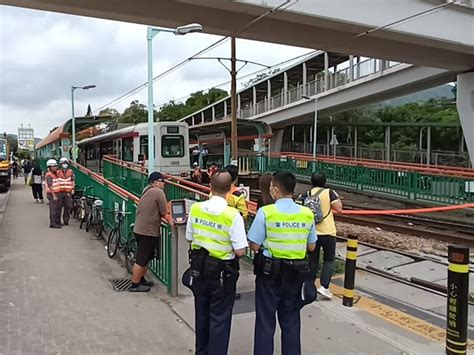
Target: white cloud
{"type": "Point", "coordinates": [42, 54]}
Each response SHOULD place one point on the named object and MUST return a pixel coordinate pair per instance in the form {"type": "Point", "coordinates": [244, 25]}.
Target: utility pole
{"type": "Point", "coordinates": [233, 102]}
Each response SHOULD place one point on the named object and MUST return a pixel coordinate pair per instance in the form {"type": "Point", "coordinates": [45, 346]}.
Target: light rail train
{"type": "Point", "coordinates": [131, 144]}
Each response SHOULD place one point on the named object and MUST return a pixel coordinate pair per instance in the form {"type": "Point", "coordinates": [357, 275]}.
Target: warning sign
{"type": "Point", "coordinates": [245, 190]}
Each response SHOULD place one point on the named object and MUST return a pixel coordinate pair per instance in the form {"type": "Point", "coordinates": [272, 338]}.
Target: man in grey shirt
{"type": "Point", "coordinates": [151, 209]}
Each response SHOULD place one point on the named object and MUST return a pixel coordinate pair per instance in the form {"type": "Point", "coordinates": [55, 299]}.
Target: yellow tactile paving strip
{"type": "Point", "coordinates": [395, 316]}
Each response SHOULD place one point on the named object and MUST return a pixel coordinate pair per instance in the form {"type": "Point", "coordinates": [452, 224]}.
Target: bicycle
{"type": "Point", "coordinates": [83, 206]}
{"type": "Point", "coordinates": [94, 218]}
{"type": "Point", "coordinates": [76, 204]}
{"type": "Point", "coordinates": [115, 241]}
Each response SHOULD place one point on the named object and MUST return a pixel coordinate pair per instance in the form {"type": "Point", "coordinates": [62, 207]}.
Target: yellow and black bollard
{"type": "Point", "coordinates": [349, 274]}
{"type": "Point", "coordinates": [457, 305]}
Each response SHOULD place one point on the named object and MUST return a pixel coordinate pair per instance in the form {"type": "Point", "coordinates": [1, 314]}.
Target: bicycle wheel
{"type": "Point", "coordinates": [99, 224]}
{"type": "Point", "coordinates": [82, 215]}
{"type": "Point", "coordinates": [130, 252]}
{"type": "Point", "coordinates": [82, 223]}
{"type": "Point", "coordinates": [76, 210]}
{"type": "Point", "coordinates": [89, 220]}
{"type": "Point", "coordinates": [113, 242]}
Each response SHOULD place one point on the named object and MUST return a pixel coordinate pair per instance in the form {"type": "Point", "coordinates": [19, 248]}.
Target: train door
{"type": "Point", "coordinates": [118, 148]}
{"type": "Point", "coordinates": [127, 149]}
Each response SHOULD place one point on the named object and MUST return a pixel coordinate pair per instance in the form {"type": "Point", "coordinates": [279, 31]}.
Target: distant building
{"type": "Point", "coordinates": [26, 138]}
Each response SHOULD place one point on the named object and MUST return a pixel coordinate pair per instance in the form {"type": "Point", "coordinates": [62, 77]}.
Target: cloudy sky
{"type": "Point", "coordinates": [42, 54]}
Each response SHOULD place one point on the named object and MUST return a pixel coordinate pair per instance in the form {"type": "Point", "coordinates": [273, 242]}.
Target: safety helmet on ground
{"type": "Point", "coordinates": [63, 160]}
{"type": "Point", "coordinates": [51, 162]}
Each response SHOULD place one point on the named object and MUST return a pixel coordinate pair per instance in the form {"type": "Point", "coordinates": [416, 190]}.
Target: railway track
{"type": "Point", "coordinates": [413, 225]}
{"type": "Point", "coordinates": [414, 280]}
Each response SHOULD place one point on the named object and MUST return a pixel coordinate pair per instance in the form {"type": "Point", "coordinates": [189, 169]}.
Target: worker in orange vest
{"type": "Point", "coordinates": [53, 190]}
{"type": "Point", "coordinates": [67, 182]}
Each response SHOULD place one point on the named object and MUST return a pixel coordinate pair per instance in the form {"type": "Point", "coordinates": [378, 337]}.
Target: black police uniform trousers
{"type": "Point", "coordinates": [213, 316]}
{"type": "Point", "coordinates": [271, 298]}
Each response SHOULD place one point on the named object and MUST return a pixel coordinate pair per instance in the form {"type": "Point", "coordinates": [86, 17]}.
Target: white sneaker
{"type": "Point", "coordinates": [325, 292]}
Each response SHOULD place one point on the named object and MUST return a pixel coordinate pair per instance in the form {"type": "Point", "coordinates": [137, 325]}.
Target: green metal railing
{"type": "Point", "coordinates": [411, 185]}
{"type": "Point", "coordinates": [132, 180]}
{"type": "Point", "coordinates": [173, 191]}
{"type": "Point", "coordinates": [113, 199]}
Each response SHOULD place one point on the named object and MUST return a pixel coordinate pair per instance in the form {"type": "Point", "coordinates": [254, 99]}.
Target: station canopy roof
{"type": "Point", "coordinates": [247, 130]}
{"type": "Point", "coordinates": [64, 130]}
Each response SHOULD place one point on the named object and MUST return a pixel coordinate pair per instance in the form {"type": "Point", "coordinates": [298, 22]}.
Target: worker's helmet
{"type": "Point", "coordinates": [51, 162]}
{"type": "Point", "coordinates": [64, 160]}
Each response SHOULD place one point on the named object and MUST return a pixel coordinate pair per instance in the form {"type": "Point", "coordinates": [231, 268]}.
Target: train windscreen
{"type": "Point", "coordinates": [172, 146]}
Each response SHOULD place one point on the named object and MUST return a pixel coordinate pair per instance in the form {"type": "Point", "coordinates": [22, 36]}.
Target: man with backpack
{"type": "Point", "coordinates": [323, 202]}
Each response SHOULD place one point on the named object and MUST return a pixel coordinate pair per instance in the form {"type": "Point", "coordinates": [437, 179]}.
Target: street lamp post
{"type": "Point", "coordinates": [315, 129]}
{"type": "Point", "coordinates": [233, 104]}
{"type": "Point", "coordinates": [87, 87]}
{"type": "Point", "coordinates": [152, 32]}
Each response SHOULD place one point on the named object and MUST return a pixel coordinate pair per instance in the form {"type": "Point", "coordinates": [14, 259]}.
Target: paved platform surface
{"type": "Point", "coordinates": [55, 299]}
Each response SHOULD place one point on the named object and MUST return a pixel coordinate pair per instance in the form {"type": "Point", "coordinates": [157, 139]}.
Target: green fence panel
{"type": "Point", "coordinates": [131, 180]}
{"type": "Point", "coordinates": [112, 200]}
{"type": "Point", "coordinates": [444, 189]}
{"type": "Point", "coordinates": [386, 181]}
{"type": "Point", "coordinates": [405, 184]}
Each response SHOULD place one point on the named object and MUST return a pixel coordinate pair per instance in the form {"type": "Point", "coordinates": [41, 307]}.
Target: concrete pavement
{"type": "Point", "coordinates": [55, 297]}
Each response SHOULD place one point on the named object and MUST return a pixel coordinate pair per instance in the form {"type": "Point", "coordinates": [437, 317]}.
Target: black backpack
{"type": "Point", "coordinates": [313, 202]}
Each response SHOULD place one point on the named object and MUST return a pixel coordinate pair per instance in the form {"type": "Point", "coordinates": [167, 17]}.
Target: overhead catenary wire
{"type": "Point", "coordinates": [280, 7]}
{"type": "Point", "coordinates": [272, 67]}
{"type": "Point", "coordinates": [170, 70]}
{"type": "Point", "coordinates": [361, 34]}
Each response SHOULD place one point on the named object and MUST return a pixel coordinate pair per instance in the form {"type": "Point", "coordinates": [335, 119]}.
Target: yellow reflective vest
{"type": "Point", "coordinates": [287, 233]}
{"type": "Point", "coordinates": [212, 232]}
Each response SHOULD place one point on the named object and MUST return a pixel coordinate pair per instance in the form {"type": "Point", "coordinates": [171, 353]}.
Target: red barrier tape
{"type": "Point", "coordinates": [408, 211]}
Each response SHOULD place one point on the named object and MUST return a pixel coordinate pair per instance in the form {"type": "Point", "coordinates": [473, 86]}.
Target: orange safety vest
{"type": "Point", "coordinates": [55, 186]}
{"type": "Point", "coordinates": [66, 181]}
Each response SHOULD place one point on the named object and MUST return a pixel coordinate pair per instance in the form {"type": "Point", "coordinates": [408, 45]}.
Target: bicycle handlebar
{"type": "Point", "coordinates": [114, 212]}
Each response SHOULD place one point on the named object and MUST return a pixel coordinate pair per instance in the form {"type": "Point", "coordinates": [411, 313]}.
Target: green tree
{"type": "Point", "coordinates": [199, 100]}
{"type": "Point", "coordinates": [113, 113]}
{"type": "Point", "coordinates": [13, 140]}
{"type": "Point", "coordinates": [135, 113]}
{"type": "Point", "coordinates": [434, 110]}
{"type": "Point", "coordinates": [173, 111]}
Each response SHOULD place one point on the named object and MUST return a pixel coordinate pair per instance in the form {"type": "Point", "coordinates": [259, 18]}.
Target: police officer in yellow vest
{"type": "Point", "coordinates": [217, 235]}
{"type": "Point", "coordinates": [281, 234]}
